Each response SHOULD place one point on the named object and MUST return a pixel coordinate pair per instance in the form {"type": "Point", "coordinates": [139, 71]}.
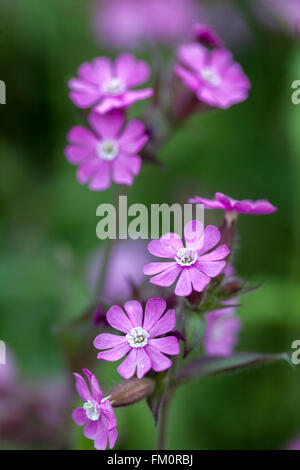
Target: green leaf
{"type": "Point", "coordinates": [194, 328]}
{"type": "Point", "coordinates": [206, 366]}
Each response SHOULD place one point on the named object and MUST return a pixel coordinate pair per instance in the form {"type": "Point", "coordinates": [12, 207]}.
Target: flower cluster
{"type": "Point", "coordinates": [110, 148]}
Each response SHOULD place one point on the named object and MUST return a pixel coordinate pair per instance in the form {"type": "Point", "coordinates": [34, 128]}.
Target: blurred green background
{"type": "Point", "coordinates": [48, 221]}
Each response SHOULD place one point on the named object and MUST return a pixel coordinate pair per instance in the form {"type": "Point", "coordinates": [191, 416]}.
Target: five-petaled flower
{"type": "Point", "coordinates": [96, 413]}
{"type": "Point", "coordinates": [108, 154]}
{"type": "Point", "coordinates": [233, 206]}
{"type": "Point", "coordinates": [212, 75]}
{"type": "Point", "coordinates": [108, 86]}
{"type": "Point", "coordinates": [146, 350]}
{"type": "Point", "coordinates": [195, 262]}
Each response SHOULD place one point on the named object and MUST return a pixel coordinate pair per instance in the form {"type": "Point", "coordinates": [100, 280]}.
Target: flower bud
{"type": "Point", "coordinates": [131, 391]}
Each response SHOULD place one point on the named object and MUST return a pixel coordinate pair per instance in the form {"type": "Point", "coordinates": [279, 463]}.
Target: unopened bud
{"type": "Point", "coordinates": [131, 391]}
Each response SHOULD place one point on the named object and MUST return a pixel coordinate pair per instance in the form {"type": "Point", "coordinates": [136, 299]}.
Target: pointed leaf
{"type": "Point", "coordinates": [206, 366]}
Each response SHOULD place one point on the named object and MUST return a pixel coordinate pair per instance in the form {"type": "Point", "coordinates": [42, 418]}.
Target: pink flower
{"type": "Point", "coordinates": [96, 413]}
{"type": "Point", "coordinates": [195, 266]}
{"type": "Point", "coordinates": [212, 75]}
{"type": "Point", "coordinates": [108, 153]}
{"type": "Point", "coordinates": [228, 204]}
{"type": "Point", "coordinates": [146, 351]}
{"type": "Point", "coordinates": [222, 328]}
{"type": "Point", "coordinates": [108, 86]}
{"type": "Point", "coordinates": [134, 23]}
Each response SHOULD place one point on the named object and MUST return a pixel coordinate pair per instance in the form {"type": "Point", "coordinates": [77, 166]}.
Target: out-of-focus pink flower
{"type": "Point", "coordinates": [294, 444]}
{"type": "Point", "coordinates": [132, 23]}
{"type": "Point", "coordinates": [212, 75]}
{"type": "Point", "coordinates": [124, 271]}
{"type": "Point", "coordinates": [222, 328]}
{"type": "Point", "coordinates": [228, 204]}
{"type": "Point", "coordinates": [32, 413]}
{"type": "Point", "coordinates": [280, 15]}
{"type": "Point", "coordinates": [146, 351]}
{"type": "Point", "coordinates": [195, 263]}
{"type": "Point", "coordinates": [207, 36]}
{"type": "Point", "coordinates": [109, 153]}
{"type": "Point", "coordinates": [108, 86]}
{"type": "Point", "coordinates": [96, 413]}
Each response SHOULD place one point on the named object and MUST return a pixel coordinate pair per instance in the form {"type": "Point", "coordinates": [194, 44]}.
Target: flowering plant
{"type": "Point", "coordinates": [179, 333]}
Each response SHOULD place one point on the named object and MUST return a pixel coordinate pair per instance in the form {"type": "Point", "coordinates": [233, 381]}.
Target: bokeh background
{"type": "Point", "coordinates": [48, 223]}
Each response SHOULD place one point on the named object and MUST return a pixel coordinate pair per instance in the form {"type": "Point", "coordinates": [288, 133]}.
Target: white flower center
{"type": "Point", "coordinates": [115, 86]}
{"type": "Point", "coordinates": [137, 338]}
{"type": "Point", "coordinates": [92, 410]}
{"type": "Point", "coordinates": [186, 256]}
{"type": "Point", "coordinates": [107, 149]}
{"type": "Point", "coordinates": [210, 76]}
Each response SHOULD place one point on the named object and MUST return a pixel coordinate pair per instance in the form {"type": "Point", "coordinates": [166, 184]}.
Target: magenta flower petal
{"type": "Point", "coordinates": [193, 235]}
{"type": "Point", "coordinates": [143, 363]}
{"type": "Point", "coordinates": [117, 319]}
{"type": "Point", "coordinates": [134, 311]}
{"type": "Point", "coordinates": [184, 285]}
{"type": "Point", "coordinates": [107, 340]}
{"type": "Point", "coordinates": [114, 354]}
{"type": "Point", "coordinates": [75, 154]}
{"type": "Point", "coordinates": [107, 125]}
{"type": "Point", "coordinates": [100, 71]}
{"type": "Point", "coordinates": [192, 55]}
{"type": "Point", "coordinates": [211, 269]}
{"type": "Point", "coordinates": [82, 387]}
{"type": "Point", "coordinates": [158, 248]}
{"type": "Point", "coordinates": [132, 72]}
{"type": "Point", "coordinates": [102, 179]}
{"type": "Point", "coordinates": [219, 253]}
{"type": "Point", "coordinates": [164, 325]}
{"type": "Point", "coordinates": [211, 238]}
{"type": "Point", "coordinates": [81, 135]}
{"type": "Point", "coordinates": [155, 268]}
{"type": "Point", "coordinates": [168, 345]}
{"type": "Point", "coordinates": [121, 174]}
{"type": "Point", "coordinates": [91, 429]}
{"type": "Point", "coordinates": [133, 130]}
{"type": "Point", "coordinates": [153, 311]}
{"type": "Point", "coordinates": [101, 438]}
{"type": "Point", "coordinates": [172, 240]}
{"type": "Point", "coordinates": [94, 384]}
{"type": "Point", "coordinates": [79, 416]}
{"type": "Point", "coordinates": [208, 203]}
{"type": "Point", "coordinates": [159, 361]}
{"type": "Point", "coordinates": [108, 415]}
{"type": "Point", "coordinates": [112, 437]}
{"type": "Point", "coordinates": [127, 368]}
{"type": "Point", "coordinates": [167, 277]}
{"type": "Point", "coordinates": [87, 169]}
{"type": "Point", "coordinates": [255, 207]}
{"type": "Point", "coordinates": [198, 279]}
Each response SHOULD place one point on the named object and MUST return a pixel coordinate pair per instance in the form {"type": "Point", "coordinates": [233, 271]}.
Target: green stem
{"type": "Point", "coordinates": [164, 421]}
